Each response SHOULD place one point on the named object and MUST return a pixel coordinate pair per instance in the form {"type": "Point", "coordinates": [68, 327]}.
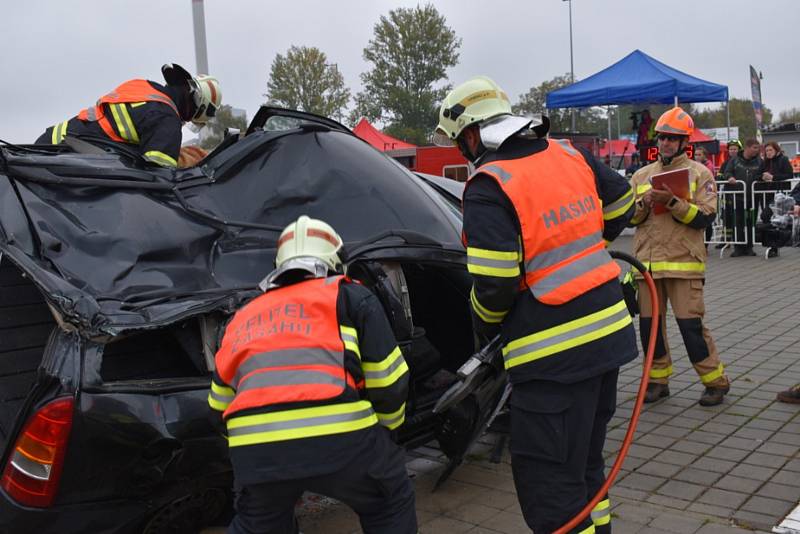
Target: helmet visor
{"type": "Point", "coordinates": [440, 138]}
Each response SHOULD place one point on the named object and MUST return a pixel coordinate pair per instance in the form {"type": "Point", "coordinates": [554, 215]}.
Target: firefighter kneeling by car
{"type": "Point", "coordinates": [310, 381]}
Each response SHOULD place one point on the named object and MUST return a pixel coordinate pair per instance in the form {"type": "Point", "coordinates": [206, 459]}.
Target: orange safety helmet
{"type": "Point", "coordinates": [676, 122]}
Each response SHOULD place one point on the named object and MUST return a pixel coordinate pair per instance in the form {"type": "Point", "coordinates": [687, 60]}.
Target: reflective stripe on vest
{"type": "Point", "coordinates": [300, 423]}
{"type": "Point", "coordinates": [286, 347]}
{"type": "Point", "coordinates": [59, 132]}
{"type": "Point", "coordinates": [683, 266]}
{"type": "Point", "coordinates": [555, 198]}
{"type": "Point", "coordinates": [159, 158]}
{"type": "Point", "coordinates": [566, 336]}
{"type": "Point", "coordinates": [132, 91]}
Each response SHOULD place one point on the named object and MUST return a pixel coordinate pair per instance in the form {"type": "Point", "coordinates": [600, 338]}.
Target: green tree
{"type": "Point", "coordinates": [215, 129]}
{"type": "Point", "coordinates": [410, 52]}
{"type": "Point", "coordinates": [742, 115]}
{"type": "Point", "coordinates": [789, 115]}
{"type": "Point", "coordinates": [304, 80]}
{"type": "Point", "coordinates": [588, 120]}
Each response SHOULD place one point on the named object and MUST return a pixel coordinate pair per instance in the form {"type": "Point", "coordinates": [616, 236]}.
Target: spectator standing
{"type": "Point", "coordinates": [645, 133]}
{"type": "Point", "coordinates": [734, 147]}
{"type": "Point", "coordinates": [701, 155]}
{"type": "Point", "coordinates": [745, 168]}
{"type": "Point", "coordinates": [775, 168]}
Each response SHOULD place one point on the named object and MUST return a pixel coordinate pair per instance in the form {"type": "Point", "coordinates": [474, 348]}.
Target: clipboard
{"type": "Point", "coordinates": [677, 181]}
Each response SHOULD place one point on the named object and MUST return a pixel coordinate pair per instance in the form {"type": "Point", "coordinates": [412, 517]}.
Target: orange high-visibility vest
{"type": "Point", "coordinates": [561, 218]}
{"type": "Point", "coordinates": [285, 346]}
{"type": "Point", "coordinates": [130, 91]}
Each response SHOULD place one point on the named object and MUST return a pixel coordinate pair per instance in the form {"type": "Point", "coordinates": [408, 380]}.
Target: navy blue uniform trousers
{"type": "Point", "coordinates": [375, 485]}
{"type": "Point", "coordinates": [557, 436]}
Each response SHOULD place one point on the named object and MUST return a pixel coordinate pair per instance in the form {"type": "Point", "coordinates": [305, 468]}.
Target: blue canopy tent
{"type": "Point", "coordinates": [637, 79]}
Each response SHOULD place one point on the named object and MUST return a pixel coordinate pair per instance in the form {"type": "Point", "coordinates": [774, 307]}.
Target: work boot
{"type": "Point", "coordinates": [772, 252]}
{"type": "Point", "coordinates": [655, 391]}
{"type": "Point", "coordinates": [713, 395]}
{"type": "Point", "coordinates": [791, 395]}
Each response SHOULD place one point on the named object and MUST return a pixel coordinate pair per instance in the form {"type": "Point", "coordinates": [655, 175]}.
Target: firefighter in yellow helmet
{"type": "Point", "coordinates": [148, 116]}
{"type": "Point", "coordinates": [671, 245]}
{"type": "Point", "coordinates": [310, 381]}
{"type": "Point", "coordinates": [537, 215]}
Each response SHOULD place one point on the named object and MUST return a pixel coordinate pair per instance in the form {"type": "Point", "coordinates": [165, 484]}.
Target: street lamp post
{"type": "Point", "coordinates": [571, 64]}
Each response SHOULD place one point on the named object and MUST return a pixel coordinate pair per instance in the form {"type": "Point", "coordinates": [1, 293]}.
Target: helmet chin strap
{"type": "Point", "coordinates": [463, 147]}
{"type": "Point", "coordinates": [681, 149]}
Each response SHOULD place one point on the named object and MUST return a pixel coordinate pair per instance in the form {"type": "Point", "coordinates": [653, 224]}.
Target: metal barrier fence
{"type": "Point", "coordinates": [731, 206]}
{"type": "Point", "coordinates": [738, 212]}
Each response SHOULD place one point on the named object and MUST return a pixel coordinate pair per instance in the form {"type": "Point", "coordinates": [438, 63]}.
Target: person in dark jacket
{"type": "Point", "coordinates": [727, 213]}
{"type": "Point", "coordinates": [146, 115]}
{"type": "Point", "coordinates": [775, 171]}
{"type": "Point", "coordinates": [746, 170]}
{"type": "Point", "coordinates": [537, 215]}
{"type": "Point", "coordinates": [776, 166]}
{"type": "Point", "coordinates": [310, 382]}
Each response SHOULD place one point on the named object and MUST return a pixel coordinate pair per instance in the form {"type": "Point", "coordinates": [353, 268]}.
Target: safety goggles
{"type": "Point", "coordinates": [669, 137]}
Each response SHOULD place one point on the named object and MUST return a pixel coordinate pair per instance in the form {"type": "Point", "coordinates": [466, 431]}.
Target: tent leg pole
{"type": "Point", "coordinates": [676, 101]}
{"type": "Point", "coordinates": [728, 114]}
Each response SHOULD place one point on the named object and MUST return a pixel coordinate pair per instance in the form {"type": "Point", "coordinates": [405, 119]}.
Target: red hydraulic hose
{"type": "Point", "coordinates": [637, 408]}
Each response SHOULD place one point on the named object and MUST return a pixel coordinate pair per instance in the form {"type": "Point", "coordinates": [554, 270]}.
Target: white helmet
{"type": "Point", "coordinates": [207, 97]}
{"type": "Point", "coordinates": [309, 245]}
{"type": "Point", "coordinates": [204, 90]}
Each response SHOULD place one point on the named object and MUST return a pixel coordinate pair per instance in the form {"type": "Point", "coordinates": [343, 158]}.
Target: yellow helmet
{"type": "Point", "coordinates": [472, 102]}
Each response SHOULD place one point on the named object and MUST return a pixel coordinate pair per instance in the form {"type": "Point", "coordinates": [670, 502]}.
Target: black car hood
{"type": "Point", "coordinates": [115, 245]}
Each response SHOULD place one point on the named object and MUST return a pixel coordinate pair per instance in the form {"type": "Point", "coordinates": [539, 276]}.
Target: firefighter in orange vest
{"type": "Point", "coordinates": [310, 382]}
{"type": "Point", "coordinates": [538, 214]}
{"type": "Point", "coordinates": [146, 115]}
{"type": "Point", "coordinates": [671, 245]}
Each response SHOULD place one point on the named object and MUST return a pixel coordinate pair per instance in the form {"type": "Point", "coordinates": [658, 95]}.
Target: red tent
{"type": "Point", "coordinates": [618, 147]}
{"type": "Point", "coordinates": [378, 139]}
{"type": "Point", "coordinates": [698, 136]}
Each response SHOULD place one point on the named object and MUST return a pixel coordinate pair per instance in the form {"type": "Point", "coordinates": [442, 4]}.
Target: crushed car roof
{"type": "Point", "coordinates": [116, 245]}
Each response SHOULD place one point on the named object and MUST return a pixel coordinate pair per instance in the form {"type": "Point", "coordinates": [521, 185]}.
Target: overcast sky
{"type": "Point", "coordinates": [59, 56]}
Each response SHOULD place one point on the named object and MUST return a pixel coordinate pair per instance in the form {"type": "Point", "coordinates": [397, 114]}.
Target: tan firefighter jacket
{"type": "Point", "coordinates": [671, 244]}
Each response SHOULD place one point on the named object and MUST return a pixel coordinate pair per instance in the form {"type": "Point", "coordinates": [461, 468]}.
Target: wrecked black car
{"type": "Point", "coordinates": [116, 281]}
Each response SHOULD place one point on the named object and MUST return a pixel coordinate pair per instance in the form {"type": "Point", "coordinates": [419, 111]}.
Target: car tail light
{"type": "Point", "coordinates": [34, 466]}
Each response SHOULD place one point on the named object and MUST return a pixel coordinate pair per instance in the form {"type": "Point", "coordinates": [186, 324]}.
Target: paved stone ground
{"type": "Point", "coordinates": [729, 468]}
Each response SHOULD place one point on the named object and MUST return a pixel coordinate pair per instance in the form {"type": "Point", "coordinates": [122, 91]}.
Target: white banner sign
{"type": "Point", "coordinates": [721, 134]}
